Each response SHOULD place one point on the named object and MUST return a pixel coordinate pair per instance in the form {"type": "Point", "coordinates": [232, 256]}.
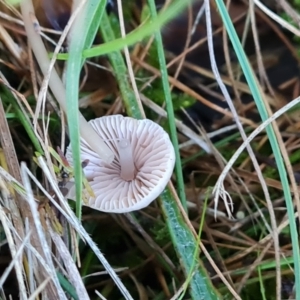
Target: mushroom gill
{"type": "Point", "coordinates": [143, 164]}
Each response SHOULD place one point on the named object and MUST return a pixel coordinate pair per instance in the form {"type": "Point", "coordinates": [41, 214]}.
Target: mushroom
{"type": "Point", "coordinates": [143, 164]}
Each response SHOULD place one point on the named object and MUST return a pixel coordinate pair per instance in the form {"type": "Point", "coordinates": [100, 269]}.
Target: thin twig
{"type": "Point", "coordinates": [128, 60]}
{"type": "Point", "coordinates": [261, 127]}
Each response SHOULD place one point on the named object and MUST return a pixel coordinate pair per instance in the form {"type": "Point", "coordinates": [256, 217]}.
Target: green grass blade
{"type": "Point", "coordinates": [186, 247]}
{"type": "Point", "coordinates": [23, 118]}
{"type": "Point", "coordinates": [136, 35]}
{"type": "Point", "coordinates": [120, 71]}
{"type": "Point", "coordinates": [81, 39]}
{"type": "Point", "coordinates": [169, 104]}
{"type": "Point", "coordinates": [67, 286]}
{"type": "Point", "coordinates": [247, 70]}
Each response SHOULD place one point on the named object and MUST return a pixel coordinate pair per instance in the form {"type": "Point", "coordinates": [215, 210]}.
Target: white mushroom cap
{"type": "Point", "coordinates": [144, 142]}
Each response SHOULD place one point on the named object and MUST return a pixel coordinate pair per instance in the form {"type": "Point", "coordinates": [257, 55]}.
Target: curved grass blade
{"type": "Point", "coordinates": [136, 35]}
{"type": "Point", "coordinates": [81, 38]}
{"type": "Point", "coordinates": [255, 90]}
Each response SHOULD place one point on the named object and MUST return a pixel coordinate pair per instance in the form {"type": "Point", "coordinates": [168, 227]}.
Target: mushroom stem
{"type": "Point", "coordinates": [94, 141]}
{"type": "Point", "coordinates": [56, 85]}
{"type": "Point", "coordinates": [126, 160]}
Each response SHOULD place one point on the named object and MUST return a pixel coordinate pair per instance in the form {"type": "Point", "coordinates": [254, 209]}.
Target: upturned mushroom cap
{"type": "Point", "coordinates": [144, 143]}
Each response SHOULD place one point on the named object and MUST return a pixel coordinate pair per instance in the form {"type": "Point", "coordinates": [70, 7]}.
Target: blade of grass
{"type": "Point", "coordinates": [186, 246]}
{"type": "Point", "coordinates": [120, 71]}
{"type": "Point", "coordinates": [196, 251]}
{"type": "Point", "coordinates": [169, 104]}
{"type": "Point", "coordinates": [255, 90]}
{"type": "Point", "coordinates": [82, 37]}
{"type": "Point", "coordinates": [67, 286]}
{"type": "Point", "coordinates": [261, 284]}
{"type": "Point", "coordinates": [136, 35]}
{"type": "Point", "coordinates": [23, 118]}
